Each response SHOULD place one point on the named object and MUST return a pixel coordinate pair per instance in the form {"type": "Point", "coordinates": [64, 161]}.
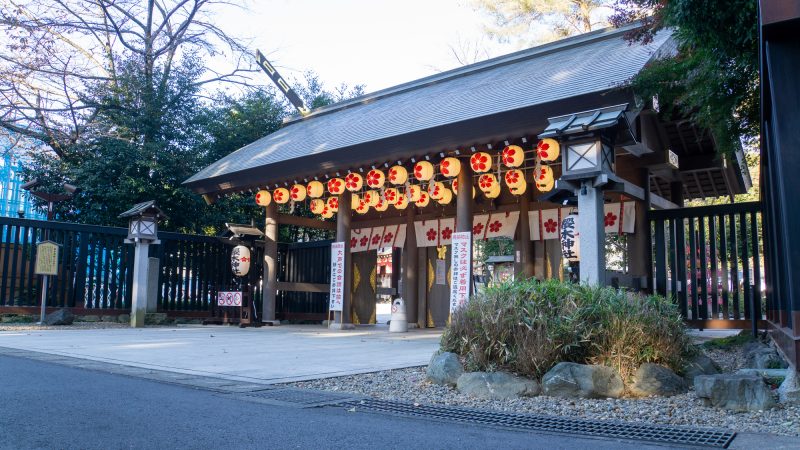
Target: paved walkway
{"type": "Point", "coordinates": [264, 355]}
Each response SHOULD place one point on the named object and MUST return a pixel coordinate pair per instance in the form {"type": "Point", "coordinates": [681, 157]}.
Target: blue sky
{"type": "Point", "coordinates": [376, 43]}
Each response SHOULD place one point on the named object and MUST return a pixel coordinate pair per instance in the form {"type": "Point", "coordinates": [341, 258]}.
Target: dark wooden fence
{"type": "Point", "coordinates": [96, 271]}
{"type": "Point", "coordinates": [709, 260]}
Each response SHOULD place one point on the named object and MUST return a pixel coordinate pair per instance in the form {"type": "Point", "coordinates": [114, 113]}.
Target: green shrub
{"type": "Point", "coordinates": [528, 326]}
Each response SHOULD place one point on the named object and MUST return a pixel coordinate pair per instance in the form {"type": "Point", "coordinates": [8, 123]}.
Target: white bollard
{"type": "Point", "coordinates": [398, 322]}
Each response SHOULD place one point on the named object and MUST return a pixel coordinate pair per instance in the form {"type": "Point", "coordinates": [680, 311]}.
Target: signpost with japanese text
{"type": "Point", "coordinates": [461, 270]}
{"type": "Point", "coordinates": [337, 277]}
{"type": "Point", "coordinates": [46, 264]}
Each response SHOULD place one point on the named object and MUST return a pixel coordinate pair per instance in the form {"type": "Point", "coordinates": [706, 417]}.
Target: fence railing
{"type": "Point", "coordinates": [709, 260]}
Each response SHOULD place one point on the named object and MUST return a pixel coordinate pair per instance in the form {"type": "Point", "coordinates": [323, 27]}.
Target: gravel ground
{"type": "Point", "coordinates": [410, 385]}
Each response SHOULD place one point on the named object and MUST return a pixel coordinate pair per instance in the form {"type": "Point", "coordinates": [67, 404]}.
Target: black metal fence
{"type": "Point", "coordinates": [709, 260]}
{"type": "Point", "coordinates": [302, 268]}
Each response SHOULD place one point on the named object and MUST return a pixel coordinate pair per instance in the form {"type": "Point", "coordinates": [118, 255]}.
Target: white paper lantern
{"type": "Point", "coordinates": [336, 186]}
{"type": "Point", "coordinates": [382, 205]}
{"type": "Point", "coordinates": [450, 167]}
{"type": "Point", "coordinates": [436, 190]}
{"type": "Point", "coordinates": [315, 189]}
{"type": "Point", "coordinates": [298, 192]}
{"type": "Point", "coordinates": [447, 197]}
{"type": "Point", "coordinates": [487, 182]}
{"type": "Point", "coordinates": [281, 196]}
{"type": "Point", "coordinates": [480, 162]}
{"type": "Point", "coordinates": [493, 192]}
{"type": "Point", "coordinates": [327, 213]}
{"type": "Point", "coordinates": [514, 178]}
{"type": "Point", "coordinates": [543, 177]}
{"type": "Point", "coordinates": [333, 204]}
{"type": "Point", "coordinates": [513, 156]}
{"type": "Point", "coordinates": [263, 198]}
{"type": "Point", "coordinates": [372, 198]}
{"type": "Point", "coordinates": [398, 175]}
{"type": "Point", "coordinates": [353, 182]}
{"type": "Point", "coordinates": [401, 202]}
{"type": "Point", "coordinates": [413, 193]}
{"type": "Point", "coordinates": [240, 260]}
{"type": "Point", "coordinates": [376, 178]}
{"type": "Point", "coordinates": [548, 149]}
{"type": "Point", "coordinates": [455, 188]}
{"type": "Point", "coordinates": [317, 205]}
{"type": "Point", "coordinates": [390, 196]}
{"type": "Point", "coordinates": [423, 200]}
{"type": "Point", "coordinates": [520, 189]}
{"type": "Point", "coordinates": [570, 238]}
{"type": "Point", "coordinates": [362, 207]}
{"type": "Point", "coordinates": [423, 171]}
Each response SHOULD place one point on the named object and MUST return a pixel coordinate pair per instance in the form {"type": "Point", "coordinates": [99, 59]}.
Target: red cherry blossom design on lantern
{"type": "Point", "coordinates": [351, 181]}
{"type": "Point", "coordinates": [508, 156]}
{"type": "Point", "coordinates": [495, 226]}
{"type": "Point", "coordinates": [485, 181]}
{"type": "Point", "coordinates": [541, 174]}
{"type": "Point", "coordinates": [376, 240]}
{"type": "Point", "coordinates": [479, 162]}
{"type": "Point", "coordinates": [431, 234]}
{"type": "Point", "coordinates": [295, 192]}
{"type": "Point", "coordinates": [512, 177]}
{"type": "Point", "coordinates": [610, 219]}
{"type": "Point", "coordinates": [447, 233]}
{"type": "Point", "coordinates": [334, 185]}
{"type": "Point", "coordinates": [418, 171]}
{"type": "Point", "coordinates": [477, 229]}
{"type": "Point", "coordinates": [278, 195]}
{"type": "Point", "coordinates": [435, 192]}
{"type": "Point", "coordinates": [353, 242]}
{"type": "Point", "coordinates": [550, 226]}
{"type": "Point", "coordinates": [391, 197]}
{"type": "Point", "coordinates": [542, 148]}
{"type": "Point", "coordinates": [388, 238]}
{"type": "Point", "coordinates": [364, 241]}
{"type": "Point", "coordinates": [373, 178]}
{"type": "Point", "coordinates": [334, 202]}
{"type": "Point", "coordinates": [444, 167]}
{"type": "Point", "coordinates": [393, 174]}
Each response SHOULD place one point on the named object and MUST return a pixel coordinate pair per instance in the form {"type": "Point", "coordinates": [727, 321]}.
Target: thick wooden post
{"type": "Point", "coordinates": [410, 269]}
{"type": "Point", "coordinates": [270, 265]}
{"type": "Point", "coordinates": [523, 259]}
{"type": "Point", "coordinates": [464, 199]}
{"type": "Point", "coordinates": [344, 320]}
{"type": "Point", "coordinates": [640, 258]}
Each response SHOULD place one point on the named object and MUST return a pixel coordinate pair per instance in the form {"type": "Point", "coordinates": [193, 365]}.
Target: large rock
{"type": "Point", "coordinates": [653, 379]}
{"type": "Point", "coordinates": [578, 380]}
{"type": "Point", "coordinates": [789, 390]}
{"type": "Point", "coordinates": [444, 368]}
{"type": "Point", "coordinates": [496, 385]}
{"type": "Point", "coordinates": [61, 317]}
{"type": "Point", "coordinates": [699, 365]}
{"type": "Point", "coordinates": [761, 356]}
{"type": "Point", "coordinates": [736, 392]}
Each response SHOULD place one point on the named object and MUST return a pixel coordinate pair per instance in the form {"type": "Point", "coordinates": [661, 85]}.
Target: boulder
{"type": "Point", "coordinates": [578, 380]}
{"type": "Point", "coordinates": [761, 356]}
{"type": "Point", "coordinates": [496, 385]}
{"type": "Point", "coordinates": [699, 365]}
{"type": "Point", "coordinates": [736, 392]}
{"type": "Point", "coordinates": [444, 368]}
{"type": "Point", "coordinates": [124, 318]}
{"type": "Point", "coordinates": [61, 317]}
{"type": "Point", "coordinates": [653, 379]}
{"type": "Point", "coordinates": [156, 319]}
{"type": "Point", "coordinates": [789, 390]}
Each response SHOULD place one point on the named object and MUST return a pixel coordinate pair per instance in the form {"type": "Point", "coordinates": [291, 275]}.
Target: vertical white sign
{"type": "Point", "coordinates": [461, 269]}
{"type": "Point", "coordinates": [337, 276]}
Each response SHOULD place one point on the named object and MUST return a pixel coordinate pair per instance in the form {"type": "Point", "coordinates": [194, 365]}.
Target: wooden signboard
{"type": "Point", "coordinates": [46, 258]}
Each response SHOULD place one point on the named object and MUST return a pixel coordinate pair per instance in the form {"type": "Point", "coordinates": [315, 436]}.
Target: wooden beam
{"type": "Point", "coordinates": [303, 287]}
{"type": "Point", "coordinates": [661, 203]}
{"type": "Point", "coordinates": [288, 219]}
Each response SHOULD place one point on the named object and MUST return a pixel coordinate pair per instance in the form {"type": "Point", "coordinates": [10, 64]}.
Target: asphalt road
{"type": "Point", "coordinates": [46, 405]}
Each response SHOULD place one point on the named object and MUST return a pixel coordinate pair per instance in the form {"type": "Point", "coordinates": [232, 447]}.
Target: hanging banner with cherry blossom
{"type": "Point", "coordinates": [617, 218]}
{"type": "Point", "coordinates": [434, 232]}
{"type": "Point", "coordinates": [499, 224]}
{"type": "Point", "coordinates": [461, 270]}
{"type": "Point", "coordinates": [363, 239]}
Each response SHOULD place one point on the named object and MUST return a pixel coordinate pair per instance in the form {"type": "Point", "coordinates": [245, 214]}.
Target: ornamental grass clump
{"type": "Point", "coordinates": [528, 326]}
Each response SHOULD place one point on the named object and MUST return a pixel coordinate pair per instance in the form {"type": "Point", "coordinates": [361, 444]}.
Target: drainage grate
{"type": "Point", "coordinates": [531, 422]}
{"type": "Point", "coordinates": [303, 398]}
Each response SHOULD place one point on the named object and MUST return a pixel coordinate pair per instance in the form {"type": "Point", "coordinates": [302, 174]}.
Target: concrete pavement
{"type": "Point", "coordinates": [264, 355]}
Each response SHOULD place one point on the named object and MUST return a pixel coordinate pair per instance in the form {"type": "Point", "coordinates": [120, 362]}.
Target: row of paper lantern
{"type": "Point", "coordinates": [437, 191]}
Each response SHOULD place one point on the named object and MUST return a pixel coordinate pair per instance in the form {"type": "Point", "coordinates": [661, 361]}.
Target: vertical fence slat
{"type": "Point", "coordinates": [754, 238]}
{"type": "Point", "coordinates": [703, 301]}
{"type": "Point", "coordinates": [661, 270]}
{"type": "Point", "coordinates": [693, 269]}
{"type": "Point", "coordinates": [712, 240]}
{"type": "Point", "coordinates": [734, 259]}
{"type": "Point", "coordinates": [745, 266]}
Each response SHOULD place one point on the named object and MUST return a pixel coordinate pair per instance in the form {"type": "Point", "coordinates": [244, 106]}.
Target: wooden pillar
{"type": "Point", "coordinates": [640, 265]}
{"type": "Point", "coordinates": [410, 269]}
{"type": "Point", "coordinates": [539, 261]}
{"type": "Point", "coordinates": [675, 192]}
{"type": "Point", "coordinates": [523, 259]}
{"type": "Point", "coordinates": [464, 204]}
{"type": "Point", "coordinates": [344, 320]}
{"type": "Point", "coordinates": [270, 292]}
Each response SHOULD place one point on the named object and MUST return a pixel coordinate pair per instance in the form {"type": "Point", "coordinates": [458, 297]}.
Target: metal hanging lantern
{"type": "Point", "coordinates": [570, 238]}
{"type": "Point", "coordinates": [240, 260]}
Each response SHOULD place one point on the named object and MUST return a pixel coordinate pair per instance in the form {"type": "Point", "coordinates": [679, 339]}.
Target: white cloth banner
{"type": "Point", "coordinates": [363, 239]}
{"type": "Point", "coordinates": [434, 232]}
{"type": "Point", "coordinates": [617, 218]}
{"type": "Point", "coordinates": [501, 224]}
{"type": "Point", "coordinates": [337, 276]}
{"type": "Point", "coordinates": [460, 270]}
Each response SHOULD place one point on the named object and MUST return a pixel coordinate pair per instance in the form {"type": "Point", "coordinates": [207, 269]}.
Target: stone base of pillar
{"type": "Point", "coordinates": [272, 323]}
{"type": "Point", "coordinates": [137, 317]}
{"type": "Point", "coordinates": [342, 326]}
